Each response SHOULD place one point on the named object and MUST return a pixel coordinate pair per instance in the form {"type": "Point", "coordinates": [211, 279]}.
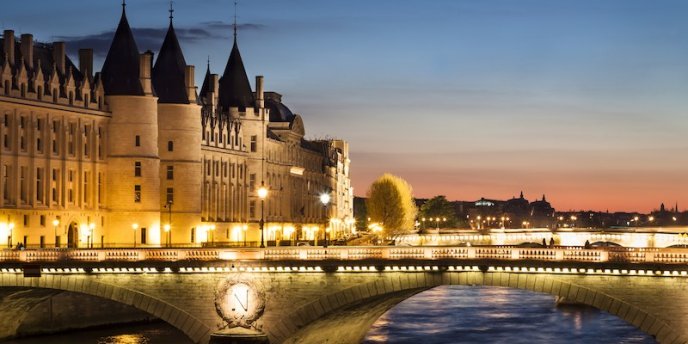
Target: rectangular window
{"type": "Point", "coordinates": [42, 220]}
{"type": "Point", "coordinates": [207, 167]}
{"type": "Point", "coordinates": [137, 141]}
{"type": "Point", "coordinates": [143, 235]}
{"type": "Point", "coordinates": [100, 188]}
{"type": "Point", "coordinates": [6, 182]}
{"type": "Point", "coordinates": [72, 132]}
{"type": "Point", "coordinates": [170, 146]}
{"type": "Point", "coordinates": [170, 172]}
{"type": "Point", "coordinates": [87, 192]}
{"type": "Point", "coordinates": [252, 181]}
{"type": "Point", "coordinates": [22, 184]}
{"type": "Point", "coordinates": [39, 185]}
{"type": "Point", "coordinates": [254, 143]}
{"type": "Point", "coordinates": [137, 169]}
{"type": "Point", "coordinates": [170, 195]}
{"type": "Point", "coordinates": [42, 243]}
{"type": "Point", "coordinates": [193, 235]}
{"type": "Point", "coordinates": [26, 220]}
{"type": "Point", "coordinates": [252, 209]}
{"type": "Point", "coordinates": [137, 193]}
{"type": "Point", "coordinates": [100, 143]}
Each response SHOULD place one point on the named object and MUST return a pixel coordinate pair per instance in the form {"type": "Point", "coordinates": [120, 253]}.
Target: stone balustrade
{"type": "Point", "coordinates": [574, 254]}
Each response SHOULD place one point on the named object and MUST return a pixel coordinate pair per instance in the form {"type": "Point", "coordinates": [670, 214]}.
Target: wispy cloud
{"type": "Point", "coordinates": [151, 38]}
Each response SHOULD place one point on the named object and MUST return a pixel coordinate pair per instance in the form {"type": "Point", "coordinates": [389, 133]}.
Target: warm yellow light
{"type": "Point", "coordinates": [573, 218]}
{"type": "Point", "coordinates": [651, 218]}
{"type": "Point", "coordinates": [212, 227]}
{"type": "Point", "coordinates": [478, 217]}
{"type": "Point", "coordinates": [135, 226]}
{"type": "Point", "coordinates": [325, 198]}
{"type": "Point", "coordinates": [262, 192]}
{"type": "Point", "coordinates": [423, 219]}
{"type": "Point", "coordinates": [91, 225]}
{"type": "Point", "coordinates": [635, 218]}
{"type": "Point", "coordinates": [56, 222]}
{"type": "Point", "coordinates": [673, 218]}
{"type": "Point", "coordinates": [167, 227]}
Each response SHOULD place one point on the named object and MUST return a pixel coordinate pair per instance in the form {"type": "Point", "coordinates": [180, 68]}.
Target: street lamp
{"type": "Point", "coordinates": [167, 234]}
{"type": "Point", "coordinates": [325, 200]}
{"type": "Point", "coordinates": [135, 226]}
{"type": "Point", "coordinates": [91, 226]}
{"type": "Point", "coordinates": [262, 194]}
{"type": "Point", "coordinates": [56, 223]}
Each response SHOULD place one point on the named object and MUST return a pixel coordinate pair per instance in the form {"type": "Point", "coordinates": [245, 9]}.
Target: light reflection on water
{"type": "Point", "coordinates": [154, 333]}
{"type": "Point", "coordinates": [462, 314]}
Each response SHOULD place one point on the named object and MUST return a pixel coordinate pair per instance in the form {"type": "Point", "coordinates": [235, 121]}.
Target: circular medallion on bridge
{"type": "Point", "coordinates": [240, 303]}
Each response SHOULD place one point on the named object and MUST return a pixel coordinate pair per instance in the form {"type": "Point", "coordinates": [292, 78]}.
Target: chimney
{"type": "Point", "coordinates": [145, 66]}
{"type": "Point", "coordinates": [27, 49]}
{"type": "Point", "coordinates": [8, 36]}
{"type": "Point", "coordinates": [59, 56]}
{"type": "Point", "coordinates": [260, 102]}
{"type": "Point", "coordinates": [86, 62]}
{"type": "Point", "coordinates": [190, 83]}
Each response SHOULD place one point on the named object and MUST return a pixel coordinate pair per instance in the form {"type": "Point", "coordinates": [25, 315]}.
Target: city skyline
{"type": "Point", "coordinates": [584, 102]}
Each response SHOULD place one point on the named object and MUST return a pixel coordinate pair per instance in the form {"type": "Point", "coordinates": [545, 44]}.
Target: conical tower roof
{"type": "Point", "coordinates": [121, 68]}
{"type": "Point", "coordinates": [168, 73]}
{"type": "Point", "coordinates": [235, 90]}
{"type": "Point", "coordinates": [205, 88]}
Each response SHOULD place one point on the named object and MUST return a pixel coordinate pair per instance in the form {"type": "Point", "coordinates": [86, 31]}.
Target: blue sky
{"type": "Point", "coordinates": [583, 100]}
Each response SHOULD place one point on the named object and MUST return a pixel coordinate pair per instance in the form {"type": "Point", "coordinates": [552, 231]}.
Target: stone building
{"type": "Point", "coordinates": [136, 155]}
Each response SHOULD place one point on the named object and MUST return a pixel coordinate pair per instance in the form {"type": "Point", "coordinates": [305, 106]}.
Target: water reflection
{"type": "Point", "coordinates": [461, 314]}
{"type": "Point", "coordinates": [154, 333]}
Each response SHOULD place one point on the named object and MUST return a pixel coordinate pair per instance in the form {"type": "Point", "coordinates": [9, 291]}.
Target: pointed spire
{"type": "Point", "coordinates": [235, 89]}
{"type": "Point", "coordinates": [171, 11]}
{"type": "Point", "coordinates": [205, 88]}
{"type": "Point", "coordinates": [521, 194]}
{"type": "Point", "coordinates": [121, 67]}
{"type": "Point", "coordinates": [543, 198]}
{"type": "Point", "coordinates": [235, 20]}
{"type": "Point", "coordinates": [169, 70]}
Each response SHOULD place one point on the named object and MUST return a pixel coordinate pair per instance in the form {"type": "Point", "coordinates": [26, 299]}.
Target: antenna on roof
{"type": "Point", "coordinates": [124, 4]}
{"type": "Point", "coordinates": [235, 19]}
{"type": "Point", "coordinates": [171, 11]}
{"type": "Point", "coordinates": [208, 62]}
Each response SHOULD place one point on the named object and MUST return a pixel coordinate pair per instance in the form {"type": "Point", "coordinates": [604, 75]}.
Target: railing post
{"type": "Point", "coordinates": [604, 256]}
{"type": "Point", "coordinates": [344, 254]}
{"type": "Point", "coordinates": [427, 252]}
{"type": "Point", "coordinates": [515, 253]}
{"type": "Point", "coordinates": [303, 254]}
{"type": "Point", "coordinates": [101, 256]}
{"type": "Point", "coordinates": [22, 256]}
{"type": "Point", "coordinates": [649, 257]}
{"type": "Point", "coordinates": [559, 254]}
{"type": "Point", "coordinates": [471, 253]}
{"type": "Point", "coordinates": [385, 252]}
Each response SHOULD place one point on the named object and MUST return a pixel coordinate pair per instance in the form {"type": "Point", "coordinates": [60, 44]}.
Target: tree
{"type": "Point", "coordinates": [437, 207]}
{"type": "Point", "coordinates": [390, 204]}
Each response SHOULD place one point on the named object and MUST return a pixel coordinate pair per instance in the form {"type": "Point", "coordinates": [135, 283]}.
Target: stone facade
{"type": "Point", "coordinates": [115, 157]}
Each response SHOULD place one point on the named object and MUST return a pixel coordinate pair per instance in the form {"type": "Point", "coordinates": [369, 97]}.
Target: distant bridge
{"type": "Point", "coordinates": [313, 294]}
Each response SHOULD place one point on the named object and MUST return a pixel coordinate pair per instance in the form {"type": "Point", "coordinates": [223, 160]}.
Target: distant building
{"type": "Point", "coordinates": [133, 155]}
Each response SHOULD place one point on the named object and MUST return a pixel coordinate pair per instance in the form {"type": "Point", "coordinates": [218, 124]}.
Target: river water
{"type": "Point", "coordinates": [443, 315]}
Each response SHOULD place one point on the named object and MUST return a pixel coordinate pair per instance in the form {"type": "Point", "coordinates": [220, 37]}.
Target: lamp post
{"type": "Point", "coordinates": [262, 194]}
{"type": "Point", "coordinates": [243, 229]}
{"type": "Point", "coordinates": [56, 223]}
{"type": "Point", "coordinates": [325, 200]}
{"type": "Point", "coordinates": [212, 237]}
{"type": "Point", "coordinates": [169, 222]}
{"type": "Point", "coordinates": [91, 226]}
{"type": "Point", "coordinates": [167, 234]}
{"type": "Point", "coordinates": [135, 226]}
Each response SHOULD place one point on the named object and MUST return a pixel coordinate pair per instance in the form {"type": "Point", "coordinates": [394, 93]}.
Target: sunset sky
{"type": "Point", "coordinates": [585, 101]}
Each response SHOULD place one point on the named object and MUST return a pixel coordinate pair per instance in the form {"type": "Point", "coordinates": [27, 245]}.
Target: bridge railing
{"type": "Point", "coordinates": [559, 253]}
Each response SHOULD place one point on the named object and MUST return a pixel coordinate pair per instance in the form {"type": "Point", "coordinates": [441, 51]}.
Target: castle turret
{"type": "Point", "coordinates": [179, 141]}
{"type": "Point", "coordinates": [133, 181]}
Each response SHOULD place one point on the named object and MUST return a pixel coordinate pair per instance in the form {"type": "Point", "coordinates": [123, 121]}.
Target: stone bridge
{"type": "Point", "coordinates": [295, 298]}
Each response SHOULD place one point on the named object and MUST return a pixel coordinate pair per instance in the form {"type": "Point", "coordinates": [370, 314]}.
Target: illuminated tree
{"type": "Point", "coordinates": [437, 208]}
{"type": "Point", "coordinates": [390, 204]}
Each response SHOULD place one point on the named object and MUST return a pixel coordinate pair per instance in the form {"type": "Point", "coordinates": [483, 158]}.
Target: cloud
{"type": "Point", "coordinates": [151, 38]}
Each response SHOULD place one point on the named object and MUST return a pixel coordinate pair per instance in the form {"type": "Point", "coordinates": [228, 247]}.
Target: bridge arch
{"type": "Point", "coordinates": [360, 306]}
{"type": "Point", "coordinates": [196, 330]}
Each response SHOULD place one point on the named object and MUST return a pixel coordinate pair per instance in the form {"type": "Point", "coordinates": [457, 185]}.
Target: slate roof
{"type": "Point", "coordinates": [168, 73]}
{"type": "Point", "coordinates": [235, 89]}
{"type": "Point", "coordinates": [120, 71]}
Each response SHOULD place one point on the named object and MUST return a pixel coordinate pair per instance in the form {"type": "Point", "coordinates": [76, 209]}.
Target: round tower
{"type": "Point", "coordinates": [179, 139]}
{"type": "Point", "coordinates": [133, 178]}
